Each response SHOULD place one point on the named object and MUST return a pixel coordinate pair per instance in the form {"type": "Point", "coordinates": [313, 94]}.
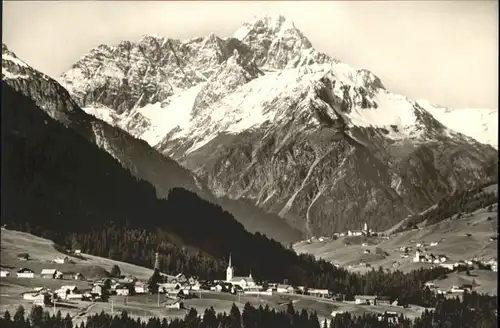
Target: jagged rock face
{"type": "Point", "coordinates": [278, 44]}
{"type": "Point", "coordinates": [297, 133]}
{"type": "Point", "coordinates": [153, 69]}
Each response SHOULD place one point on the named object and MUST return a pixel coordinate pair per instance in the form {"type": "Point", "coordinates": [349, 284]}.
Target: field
{"type": "Point", "coordinates": [42, 251]}
{"type": "Point", "coordinates": [451, 235]}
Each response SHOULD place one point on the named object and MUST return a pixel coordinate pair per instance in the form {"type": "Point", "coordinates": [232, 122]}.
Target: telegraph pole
{"type": "Point", "coordinates": [158, 298]}
{"type": "Point", "coordinates": [112, 312]}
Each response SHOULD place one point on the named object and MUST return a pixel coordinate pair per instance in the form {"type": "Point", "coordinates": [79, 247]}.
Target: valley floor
{"type": "Point", "coordinates": [452, 240]}
{"type": "Point", "coordinates": [42, 252]}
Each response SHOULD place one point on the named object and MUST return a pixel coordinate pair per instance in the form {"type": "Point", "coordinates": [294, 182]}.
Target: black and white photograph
{"type": "Point", "coordinates": [249, 164]}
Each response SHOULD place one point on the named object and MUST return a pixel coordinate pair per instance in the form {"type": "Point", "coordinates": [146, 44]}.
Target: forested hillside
{"type": "Point", "coordinates": [458, 203]}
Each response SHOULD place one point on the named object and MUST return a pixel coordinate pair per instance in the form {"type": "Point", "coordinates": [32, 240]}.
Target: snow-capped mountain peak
{"type": "Point", "coordinates": [277, 25]}
{"type": "Point", "coordinates": [277, 43]}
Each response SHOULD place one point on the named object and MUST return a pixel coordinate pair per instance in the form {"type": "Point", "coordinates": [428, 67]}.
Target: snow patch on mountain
{"type": "Point", "coordinates": [164, 119]}
{"type": "Point", "coordinates": [480, 124]}
{"type": "Point", "coordinates": [393, 111]}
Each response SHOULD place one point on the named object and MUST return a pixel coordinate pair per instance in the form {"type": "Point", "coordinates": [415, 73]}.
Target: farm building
{"type": "Point", "coordinates": [65, 291]}
{"type": "Point", "coordinates": [384, 300]}
{"type": "Point", "coordinates": [61, 260]}
{"type": "Point", "coordinates": [78, 276]}
{"type": "Point", "coordinates": [140, 288]}
{"type": "Point", "coordinates": [390, 317]}
{"type": "Point", "coordinates": [25, 273]}
{"type": "Point", "coordinates": [174, 304]}
{"type": "Point", "coordinates": [23, 256]}
{"type": "Point", "coordinates": [122, 290]}
{"type": "Point", "coordinates": [285, 289]}
{"type": "Point", "coordinates": [97, 290]}
{"type": "Point", "coordinates": [51, 274]}
{"type": "Point", "coordinates": [318, 292]}
{"type": "Point", "coordinates": [75, 296]}
{"type": "Point", "coordinates": [166, 287]}
{"type": "Point", "coordinates": [365, 299]}
{"type": "Point", "coordinates": [41, 299]}
{"type": "Point", "coordinates": [4, 273]}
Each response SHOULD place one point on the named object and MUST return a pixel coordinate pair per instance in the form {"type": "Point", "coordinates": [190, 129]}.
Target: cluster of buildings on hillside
{"type": "Point", "coordinates": [453, 289]}
{"type": "Point", "coordinates": [45, 273]}
{"type": "Point", "coordinates": [366, 231]}
{"type": "Point", "coordinates": [422, 255]}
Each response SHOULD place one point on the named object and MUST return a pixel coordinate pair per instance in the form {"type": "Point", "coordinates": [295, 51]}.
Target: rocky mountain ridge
{"type": "Point", "coordinates": [268, 119]}
{"type": "Point", "coordinates": [134, 154]}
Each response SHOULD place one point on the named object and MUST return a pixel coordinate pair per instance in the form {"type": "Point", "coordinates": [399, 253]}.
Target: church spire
{"type": "Point", "coordinates": [157, 260]}
{"type": "Point", "coordinates": [229, 270]}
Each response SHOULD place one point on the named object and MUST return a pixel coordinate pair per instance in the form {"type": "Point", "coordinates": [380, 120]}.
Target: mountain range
{"type": "Point", "coordinates": [288, 139]}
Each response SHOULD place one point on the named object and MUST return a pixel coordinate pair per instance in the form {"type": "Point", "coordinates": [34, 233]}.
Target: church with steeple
{"type": "Point", "coordinates": [243, 282]}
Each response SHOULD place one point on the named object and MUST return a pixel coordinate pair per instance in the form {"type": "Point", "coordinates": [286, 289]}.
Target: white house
{"type": "Point", "coordinates": [61, 260]}
{"type": "Point", "coordinates": [97, 290]}
{"type": "Point", "coordinates": [365, 299]}
{"type": "Point", "coordinates": [123, 291]}
{"type": "Point", "coordinates": [168, 287]}
{"type": "Point", "coordinates": [79, 276]}
{"type": "Point", "coordinates": [334, 313]}
{"type": "Point", "coordinates": [281, 288]}
{"type": "Point", "coordinates": [78, 251]}
{"type": "Point", "coordinates": [140, 288]}
{"type": "Point", "coordinates": [173, 304]}
{"type": "Point", "coordinates": [449, 266]}
{"type": "Point", "coordinates": [456, 289]}
{"type": "Point", "coordinates": [64, 291]}
{"type": "Point", "coordinates": [434, 243]}
{"type": "Point", "coordinates": [4, 273]}
{"type": "Point", "coordinates": [75, 296]}
{"type": "Point", "coordinates": [25, 273]}
{"type": "Point", "coordinates": [418, 257]}
{"type": "Point", "coordinates": [41, 299]}
{"type": "Point", "coordinates": [216, 288]}
{"type": "Point", "coordinates": [51, 274]}
{"type": "Point", "coordinates": [318, 292]}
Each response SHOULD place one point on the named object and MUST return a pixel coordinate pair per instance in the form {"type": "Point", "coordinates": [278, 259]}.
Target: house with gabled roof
{"type": "Point", "coordinates": [25, 273]}
{"type": "Point", "coordinates": [365, 299]}
{"type": "Point", "coordinates": [51, 274]}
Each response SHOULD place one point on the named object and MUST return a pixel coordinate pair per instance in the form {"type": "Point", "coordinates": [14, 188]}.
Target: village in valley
{"type": "Point", "coordinates": [65, 289]}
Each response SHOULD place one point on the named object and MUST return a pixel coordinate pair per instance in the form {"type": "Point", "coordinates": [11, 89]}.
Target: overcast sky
{"type": "Point", "coordinates": [446, 52]}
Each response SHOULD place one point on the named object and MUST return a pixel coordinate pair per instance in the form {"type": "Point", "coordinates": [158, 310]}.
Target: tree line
{"type": "Point", "coordinates": [474, 311]}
